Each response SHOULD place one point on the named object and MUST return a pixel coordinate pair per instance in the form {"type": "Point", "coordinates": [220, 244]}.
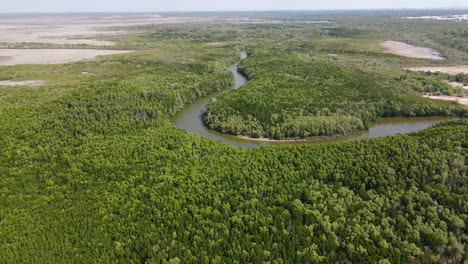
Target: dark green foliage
{"type": "Point", "coordinates": [91, 171]}
{"type": "Point", "coordinates": [436, 84]}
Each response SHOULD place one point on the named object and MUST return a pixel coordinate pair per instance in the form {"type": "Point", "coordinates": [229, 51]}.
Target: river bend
{"type": "Point", "coordinates": [190, 119]}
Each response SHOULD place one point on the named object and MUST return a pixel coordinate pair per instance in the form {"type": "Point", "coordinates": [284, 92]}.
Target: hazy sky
{"type": "Point", "coordinates": [212, 5]}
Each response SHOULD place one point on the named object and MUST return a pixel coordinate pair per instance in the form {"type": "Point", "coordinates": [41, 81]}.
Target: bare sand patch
{"type": "Point", "coordinates": [403, 49]}
{"type": "Point", "coordinates": [52, 56]}
{"type": "Point", "coordinates": [444, 69]}
{"type": "Point", "coordinates": [76, 30]}
{"type": "Point", "coordinates": [18, 83]}
{"type": "Point", "coordinates": [269, 139]}
{"type": "Point", "coordinates": [4, 58]}
{"type": "Point", "coordinates": [457, 84]}
{"type": "Point", "coordinates": [461, 100]}
{"type": "Point", "coordinates": [215, 43]}
{"type": "Point", "coordinates": [458, 18]}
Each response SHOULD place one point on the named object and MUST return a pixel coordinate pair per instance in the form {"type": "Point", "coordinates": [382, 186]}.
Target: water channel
{"type": "Point", "coordinates": [190, 119]}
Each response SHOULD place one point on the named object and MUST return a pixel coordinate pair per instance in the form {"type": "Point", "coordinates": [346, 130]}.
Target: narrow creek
{"type": "Point", "coordinates": [190, 119]}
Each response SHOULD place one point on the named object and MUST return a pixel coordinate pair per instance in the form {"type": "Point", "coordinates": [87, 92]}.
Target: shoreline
{"type": "Point", "coordinates": [345, 136]}
{"type": "Point", "coordinates": [263, 139]}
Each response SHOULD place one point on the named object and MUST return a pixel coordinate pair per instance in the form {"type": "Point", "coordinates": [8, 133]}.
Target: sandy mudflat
{"type": "Point", "coordinates": [4, 58]}
{"type": "Point", "coordinates": [18, 83]}
{"type": "Point", "coordinates": [445, 69]}
{"type": "Point", "coordinates": [76, 29]}
{"type": "Point", "coordinates": [403, 49]}
{"type": "Point", "coordinates": [457, 84]}
{"type": "Point", "coordinates": [461, 100]}
{"type": "Point", "coordinates": [51, 56]}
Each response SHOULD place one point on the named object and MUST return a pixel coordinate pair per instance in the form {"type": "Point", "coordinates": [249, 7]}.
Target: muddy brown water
{"type": "Point", "coordinates": [190, 119]}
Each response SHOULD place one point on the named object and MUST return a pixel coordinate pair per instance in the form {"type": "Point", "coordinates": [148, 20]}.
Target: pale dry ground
{"type": "Point", "coordinates": [458, 18]}
{"type": "Point", "coordinates": [68, 30]}
{"type": "Point", "coordinates": [461, 100]}
{"type": "Point", "coordinates": [450, 70]}
{"type": "Point", "coordinates": [457, 84]}
{"type": "Point", "coordinates": [406, 50]}
{"type": "Point", "coordinates": [51, 56]}
{"type": "Point", "coordinates": [18, 83]}
{"type": "Point", "coordinates": [445, 69]}
{"type": "Point", "coordinates": [215, 43]}
{"type": "Point", "coordinates": [76, 30]}
{"type": "Point", "coordinates": [4, 58]}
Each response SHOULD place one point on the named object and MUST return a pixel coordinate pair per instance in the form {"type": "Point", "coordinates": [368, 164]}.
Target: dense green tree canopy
{"type": "Point", "coordinates": [92, 171]}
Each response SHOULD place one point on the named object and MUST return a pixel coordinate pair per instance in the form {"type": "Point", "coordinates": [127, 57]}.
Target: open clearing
{"type": "Point", "coordinates": [445, 69]}
{"type": "Point", "coordinates": [75, 30]}
{"type": "Point", "coordinates": [403, 49]}
{"type": "Point", "coordinates": [52, 56]}
{"type": "Point", "coordinates": [457, 84]}
{"type": "Point", "coordinates": [18, 83]}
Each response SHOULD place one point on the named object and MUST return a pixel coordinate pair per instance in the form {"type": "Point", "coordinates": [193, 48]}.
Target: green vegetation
{"type": "Point", "coordinates": [334, 82]}
{"type": "Point", "coordinates": [424, 84]}
{"type": "Point", "coordinates": [93, 172]}
{"type": "Point", "coordinates": [428, 85]}
{"type": "Point", "coordinates": [290, 97]}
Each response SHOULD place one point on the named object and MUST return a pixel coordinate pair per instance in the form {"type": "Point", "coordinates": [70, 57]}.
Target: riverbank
{"type": "Point", "coordinates": [286, 140]}
{"type": "Point", "coordinates": [382, 127]}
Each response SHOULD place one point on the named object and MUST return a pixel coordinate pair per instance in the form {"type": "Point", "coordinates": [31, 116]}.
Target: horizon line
{"type": "Point", "coordinates": [463, 8]}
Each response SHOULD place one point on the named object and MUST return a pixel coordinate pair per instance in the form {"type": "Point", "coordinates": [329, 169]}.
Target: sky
{"type": "Point", "coordinates": [44, 6]}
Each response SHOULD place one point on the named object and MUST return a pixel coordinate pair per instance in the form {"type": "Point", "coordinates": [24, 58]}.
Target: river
{"type": "Point", "coordinates": [190, 119]}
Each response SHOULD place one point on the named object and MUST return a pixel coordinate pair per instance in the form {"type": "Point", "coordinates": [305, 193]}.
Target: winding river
{"type": "Point", "coordinates": [190, 119]}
